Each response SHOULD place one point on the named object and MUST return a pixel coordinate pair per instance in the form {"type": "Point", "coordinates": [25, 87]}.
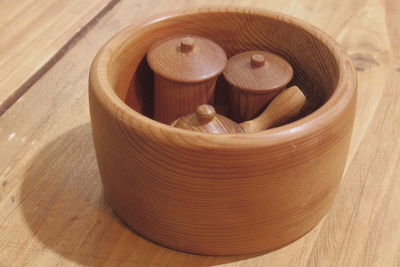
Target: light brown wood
{"type": "Point", "coordinates": [34, 34]}
{"type": "Point", "coordinates": [254, 78]}
{"type": "Point", "coordinates": [223, 194]}
{"type": "Point", "coordinates": [206, 120]}
{"type": "Point", "coordinates": [52, 209]}
{"type": "Point", "coordinates": [186, 68]}
{"type": "Point", "coordinates": [282, 108]}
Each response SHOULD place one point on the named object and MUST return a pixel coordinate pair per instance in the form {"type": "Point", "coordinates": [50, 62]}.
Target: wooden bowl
{"type": "Point", "coordinates": [222, 194]}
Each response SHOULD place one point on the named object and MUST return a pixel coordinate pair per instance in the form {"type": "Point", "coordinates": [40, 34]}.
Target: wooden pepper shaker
{"type": "Point", "coordinates": [254, 77]}
{"type": "Point", "coordinates": [185, 72]}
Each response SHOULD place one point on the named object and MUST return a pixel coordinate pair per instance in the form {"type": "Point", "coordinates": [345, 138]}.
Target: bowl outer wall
{"type": "Point", "coordinates": [246, 178]}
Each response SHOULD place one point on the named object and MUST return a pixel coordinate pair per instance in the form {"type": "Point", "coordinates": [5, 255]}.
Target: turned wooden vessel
{"type": "Point", "coordinates": [255, 77]}
{"type": "Point", "coordinates": [284, 106]}
{"type": "Point", "coordinates": [186, 69]}
{"type": "Point", "coordinates": [222, 194]}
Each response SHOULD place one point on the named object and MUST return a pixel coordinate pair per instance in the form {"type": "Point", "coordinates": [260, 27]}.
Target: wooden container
{"type": "Point", "coordinates": [186, 69]}
{"type": "Point", "coordinates": [223, 194]}
{"type": "Point", "coordinates": [255, 77]}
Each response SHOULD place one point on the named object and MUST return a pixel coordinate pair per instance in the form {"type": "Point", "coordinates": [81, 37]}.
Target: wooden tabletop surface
{"type": "Point", "coordinates": [52, 209]}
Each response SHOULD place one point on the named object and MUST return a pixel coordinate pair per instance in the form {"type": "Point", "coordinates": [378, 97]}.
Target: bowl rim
{"type": "Point", "coordinates": [313, 123]}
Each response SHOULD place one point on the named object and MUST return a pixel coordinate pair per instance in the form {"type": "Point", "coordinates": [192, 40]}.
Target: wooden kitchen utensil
{"type": "Point", "coordinates": [255, 77]}
{"type": "Point", "coordinates": [284, 106]}
{"type": "Point", "coordinates": [186, 68]}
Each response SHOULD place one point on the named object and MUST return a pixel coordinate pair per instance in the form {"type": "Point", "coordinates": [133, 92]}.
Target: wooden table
{"type": "Point", "coordinates": [52, 210]}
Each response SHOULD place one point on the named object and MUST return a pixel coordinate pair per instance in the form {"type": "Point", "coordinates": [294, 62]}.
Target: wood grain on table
{"type": "Point", "coordinates": [52, 210]}
{"type": "Point", "coordinates": [35, 34]}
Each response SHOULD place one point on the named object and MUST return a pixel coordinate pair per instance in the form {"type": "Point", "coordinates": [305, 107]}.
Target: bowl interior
{"type": "Point", "coordinates": [316, 69]}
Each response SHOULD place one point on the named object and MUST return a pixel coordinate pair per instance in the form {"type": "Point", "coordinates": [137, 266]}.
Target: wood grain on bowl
{"type": "Point", "coordinates": [223, 194]}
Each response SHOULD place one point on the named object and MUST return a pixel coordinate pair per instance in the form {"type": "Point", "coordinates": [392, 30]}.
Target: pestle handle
{"type": "Point", "coordinates": [284, 106]}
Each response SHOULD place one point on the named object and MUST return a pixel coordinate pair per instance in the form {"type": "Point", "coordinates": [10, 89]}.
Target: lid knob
{"type": "Point", "coordinates": [257, 60]}
{"type": "Point", "coordinates": [205, 113]}
{"type": "Point", "coordinates": [187, 44]}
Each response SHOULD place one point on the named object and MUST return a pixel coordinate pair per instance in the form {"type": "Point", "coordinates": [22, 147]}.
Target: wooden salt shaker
{"type": "Point", "coordinates": [185, 72]}
{"type": "Point", "coordinates": [254, 77]}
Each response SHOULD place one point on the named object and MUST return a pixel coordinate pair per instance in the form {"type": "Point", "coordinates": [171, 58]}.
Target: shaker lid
{"type": "Point", "coordinates": [258, 71]}
{"type": "Point", "coordinates": [186, 58]}
{"type": "Point", "coordinates": [206, 120]}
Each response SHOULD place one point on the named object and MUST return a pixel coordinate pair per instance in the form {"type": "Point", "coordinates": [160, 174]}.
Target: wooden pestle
{"type": "Point", "coordinates": [284, 106]}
